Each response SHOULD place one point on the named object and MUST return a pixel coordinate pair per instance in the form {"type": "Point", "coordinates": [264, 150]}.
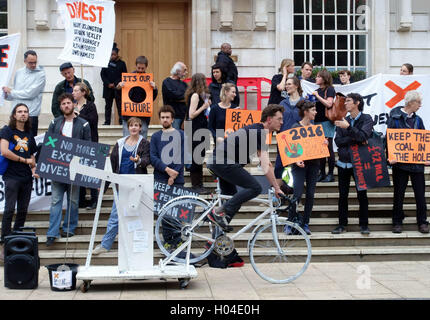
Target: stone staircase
{"type": "Point", "coordinates": [380, 245]}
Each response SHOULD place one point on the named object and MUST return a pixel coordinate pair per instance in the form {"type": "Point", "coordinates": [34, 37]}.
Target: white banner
{"type": "Point", "coordinates": [90, 30]}
{"type": "Point", "coordinates": [8, 48]}
{"type": "Point", "coordinates": [382, 93]}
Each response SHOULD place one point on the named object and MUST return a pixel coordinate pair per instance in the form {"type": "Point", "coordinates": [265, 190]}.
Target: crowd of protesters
{"type": "Point", "coordinates": [204, 107]}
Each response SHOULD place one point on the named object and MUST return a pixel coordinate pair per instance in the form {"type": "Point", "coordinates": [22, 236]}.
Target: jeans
{"type": "Point", "coordinates": [344, 176]}
{"type": "Point", "coordinates": [177, 123]}
{"type": "Point", "coordinates": [143, 131]}
{"type": "Point", "coordinates": [309, 174]}
{"type": "Point", "coordinates": [16, 193]}
{"type": "Point", "coordinates": [111, 230]}
{"type": "Point", "coordinates": [235, 174]}
{"type": "Point", "coordinates": [400, 182]}
{"type": "Point", "coordinates": [58, 190]}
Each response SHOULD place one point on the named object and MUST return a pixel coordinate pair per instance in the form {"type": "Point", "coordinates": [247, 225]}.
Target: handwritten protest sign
{"type": "Point", "coordinates": [370, 165]}
{"type": "Point", "coordinates": [57, 152]}
{"type": "Point", "coordinates": [163, 193]}
{"type": "Point", "coordinates": [90, 28]}
{"type": "Point", "coordinates": [299, 144]}
{"type": "Point", "coordinates": [137, 94]}
{"type": "Point", "coordinates": [8, 47]}
{"type": "Point", "coordinates": [408, 145]}
{"type": "Point", "coordinates": [238, 118]}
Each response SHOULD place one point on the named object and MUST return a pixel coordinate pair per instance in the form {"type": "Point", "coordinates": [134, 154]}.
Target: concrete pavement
{"type": "Point", "coordinates": [322, 281]}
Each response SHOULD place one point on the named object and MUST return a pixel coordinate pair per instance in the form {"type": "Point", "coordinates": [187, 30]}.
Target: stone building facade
{"type": "Point", "coordinates": [375, 36]}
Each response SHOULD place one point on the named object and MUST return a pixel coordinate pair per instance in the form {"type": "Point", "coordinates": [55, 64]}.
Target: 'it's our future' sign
{"type": "Point", "coordinates": [57, 152]}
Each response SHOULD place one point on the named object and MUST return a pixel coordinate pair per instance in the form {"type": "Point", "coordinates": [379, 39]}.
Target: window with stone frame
{"type": "Point", "coordinates": [331, 33]}
{"type": "Point", "coordinates": [3, 18]}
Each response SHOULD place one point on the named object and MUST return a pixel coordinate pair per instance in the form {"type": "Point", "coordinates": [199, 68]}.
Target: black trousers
{"type": "Point", "coordinates": [344, 177]}
{"type": "Point", "coordinates": [400, 182]}
{"type": "Point", "coordinates": [110, 95]}
{"type": "Point", "coordinates": [331, 159]}
{"type": "Point", "coordinates": [34, 125]}
{"type": "Point", "coordinates": [83, 201]}
{"type": "Point", "coordinates": [17, 193]}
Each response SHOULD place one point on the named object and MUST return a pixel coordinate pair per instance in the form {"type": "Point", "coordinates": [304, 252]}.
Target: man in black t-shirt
{"type": "Point", "coordinates": [231, 156]}
{"type": "Point", "coordinates": [18, 146]}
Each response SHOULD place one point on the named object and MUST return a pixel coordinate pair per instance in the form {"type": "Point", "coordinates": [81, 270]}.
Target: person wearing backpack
{"type": "Point", "coordinates": [406, 118]}
{"type": "Point", "coordinates": [18, 176]}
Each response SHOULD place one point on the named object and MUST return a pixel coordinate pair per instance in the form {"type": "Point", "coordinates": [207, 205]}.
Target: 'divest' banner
{"type": "Point", "coordinates": [90, 30]}
{"type": "Point", "coordinates": [382, 93]}
{"type": "Point", "coordinates": [8, 48]}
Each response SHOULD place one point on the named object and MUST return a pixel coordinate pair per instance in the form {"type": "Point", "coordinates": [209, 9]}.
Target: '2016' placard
{"type": "Point", "coordinates": [408, 145]}
{"type": "Point", "coordinates": [303, 143]}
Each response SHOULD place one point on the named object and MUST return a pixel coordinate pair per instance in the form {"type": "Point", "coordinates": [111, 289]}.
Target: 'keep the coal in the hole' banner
{"type": "Point", "coordinates": [90, 30]}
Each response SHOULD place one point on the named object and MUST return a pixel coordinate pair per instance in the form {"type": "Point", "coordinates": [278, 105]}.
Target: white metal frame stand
{"type": "Point", "coordinates": [134, 201]}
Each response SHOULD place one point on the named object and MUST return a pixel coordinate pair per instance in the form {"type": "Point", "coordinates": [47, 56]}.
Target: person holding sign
{"type": "Point", "coordinates": [304, 170]}
{"type": "Point", "coordinates": [197, 97]}
{"type": "Point", "coordinates": [354, 129]}
{"type": "Point", "coordinates": [406, 118]}
{"type": "Point", "coordinates": [87, 110]}
{"type": "Point", "coordinates": [230, 157]}
{"type": "Point", "coordinates": [141, 66]}
{"type": "Point", "coordinates": [325, 98]}
{"type": "Point", "coordinates": [72, 126]}
{"type": "Point", "coordinates": [130, 155]}
{"type": "Point", "coordinates": [20, 170]}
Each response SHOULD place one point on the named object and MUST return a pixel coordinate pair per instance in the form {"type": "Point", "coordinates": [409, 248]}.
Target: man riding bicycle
{"type": "Point", "coordinates": [230, 157]}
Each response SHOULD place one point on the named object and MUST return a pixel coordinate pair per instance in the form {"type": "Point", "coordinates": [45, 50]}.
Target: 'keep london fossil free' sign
{"type": "Point", "coordinates": [57, 152]}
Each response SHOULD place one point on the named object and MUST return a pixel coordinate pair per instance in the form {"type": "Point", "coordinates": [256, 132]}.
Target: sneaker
{"type": "Point", "coordinates": [219, 219]}
{"type": "Point", "coordinates": [237, 262]}
{"type": "Point", "coordinates": [339, 230]}
{"type": "Point", "coordinates": [50, 241]}
{"type": "Point", "coordinates": [321, 177]}
{"type": "Point", "coordinates": [307, 230]}
{"type": "Point", "coordinates": [364, 230]}
{"type": "Point", "coordinates": [99, 249]}
{"type": "Point", "coordinates": [423, 228]}
{"type": "Point", "coordinates": [397, 228]}
{"type": "Point", "coordinates": [66, 234]}
{"type": "Point", "coordinates": [329, 178]}
{"type": "Point", "coordinates": [92, 206]}
{"type": "Point", "coordinates": [288, 230]}
{"type": "Point", "coordinates": [200, 190]}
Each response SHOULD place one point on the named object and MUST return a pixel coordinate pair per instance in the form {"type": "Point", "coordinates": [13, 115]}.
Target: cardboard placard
{"type": "Point", "coordinates": [238, 118]}
{"type": "Point", "coordinates": [163, 193]}
{"type": "Point", "coordinates": [57, 152]}
{"type": "Point", "coordinates": [408, 145]}
{"type": "Point", "coordinates": [303, 143]}
{"type": "Point", "coordinates": [370, 165]}
{"type": "Point", "coordinates": [137, 95]}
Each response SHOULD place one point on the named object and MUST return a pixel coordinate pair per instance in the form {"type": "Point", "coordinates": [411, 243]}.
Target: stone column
{"type": "Point", "coordinates": [261, 17]}
{"type": "Point", "coordinates": [226, 14]}
{"type": "Point", "coordinates": [201, 36]}
{"type": "Point", "coordinates": [17, 23]}
{"type": "Point", "coordinates": [379, 37]}
{"type": "Point", "coordinates": [284, 31]}
{"type": "Point", "coordinates": [403, 14]}
{"type": "Point", "coordinates": [41, 14]}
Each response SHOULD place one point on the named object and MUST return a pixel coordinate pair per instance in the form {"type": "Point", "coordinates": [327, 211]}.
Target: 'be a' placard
{"type": "Point", "coordinates": [304, 143]}
{"type": "Point", "coordinates": [137, 95]}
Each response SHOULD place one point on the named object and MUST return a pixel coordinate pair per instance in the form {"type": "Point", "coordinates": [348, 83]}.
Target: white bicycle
{"type": "Point", "coordinates": [184, 234]}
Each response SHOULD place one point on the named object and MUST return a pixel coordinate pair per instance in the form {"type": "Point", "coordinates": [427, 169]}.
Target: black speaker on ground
{"type": "Point", "coordinates": [21, 260]}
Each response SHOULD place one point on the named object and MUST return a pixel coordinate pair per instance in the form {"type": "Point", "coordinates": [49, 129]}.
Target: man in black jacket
{"type": "Point", "coordinates": [406, 118]}
{"type": "Point", "coordinates": [354, 129]}
{"type": "Point", "coordinates": [111, 76]}
{"type": "Point", "coordinates": [224, 58]}
{"type": "Point", "coordinates": [71, 126]}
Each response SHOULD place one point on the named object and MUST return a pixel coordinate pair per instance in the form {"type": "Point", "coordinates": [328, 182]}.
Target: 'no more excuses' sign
{"type": "Point", "coordinates": [57, 152]}
{"type": "Point", "coordinates": [90, 29]}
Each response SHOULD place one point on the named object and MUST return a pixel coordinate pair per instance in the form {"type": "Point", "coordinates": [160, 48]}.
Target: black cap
{"type": "Point", "coordinates": [66, 65]}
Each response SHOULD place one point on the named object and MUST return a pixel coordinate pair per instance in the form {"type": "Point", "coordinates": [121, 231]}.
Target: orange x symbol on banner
{"type": "Point", "coordinates": [400, 93]}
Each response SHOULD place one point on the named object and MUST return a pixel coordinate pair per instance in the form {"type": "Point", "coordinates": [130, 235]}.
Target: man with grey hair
{"type": "Point", "coordinates": [224, 58]}
{"type": "Point", "coordinates": [28, 88]}
{"type": "Point", "coordinates": [173, 90]}
{"type": "Point", "coordinates": [406, 118]}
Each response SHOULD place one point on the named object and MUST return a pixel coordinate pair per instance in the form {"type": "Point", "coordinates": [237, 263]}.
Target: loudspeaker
{"type": "Point", "coordinates": [21, 261]}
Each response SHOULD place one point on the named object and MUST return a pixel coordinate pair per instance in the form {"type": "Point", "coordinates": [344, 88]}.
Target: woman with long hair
{"type": "Point", "coordinates": [325, 95]}
{"type": "Point", "coordinates": [290, 116]}
{"type": "Point", "coordinates": [219, 78]}
{"type": "Point", "coordinates": [18, 146]}
{"type": "Point", "coordinates": [197, 99]}
{"type": "Point", "coordinates": [87, 110]}
{"type": "Point", "coordinates": [278, 91]}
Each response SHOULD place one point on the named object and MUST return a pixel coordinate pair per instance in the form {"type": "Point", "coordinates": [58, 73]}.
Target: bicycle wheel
{"type": "Point", "coordinates": [174, 227]}
{"type": "Point", "coordinates": [278, 257]}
